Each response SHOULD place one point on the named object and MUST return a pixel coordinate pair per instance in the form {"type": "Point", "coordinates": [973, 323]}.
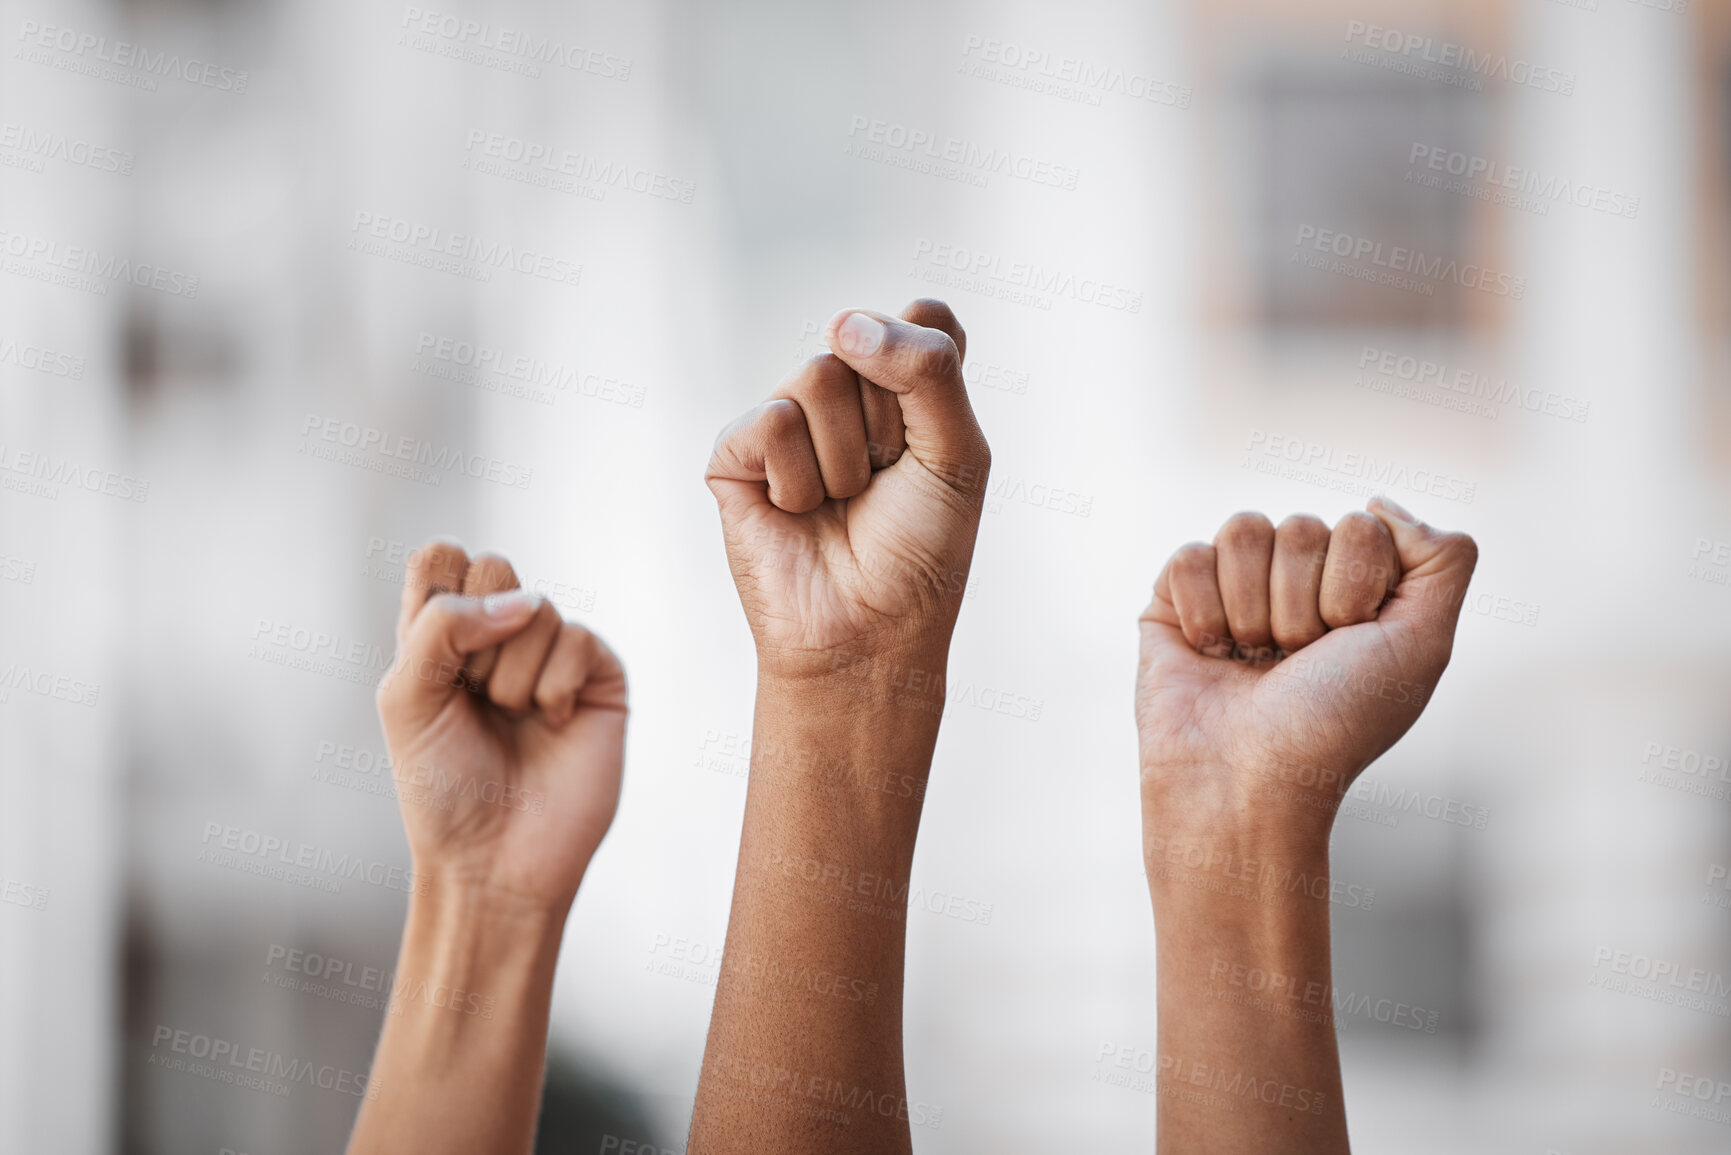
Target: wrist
{"type": "Point", "coordinates": [882, 709]}
{"type": "Point", "coordinates": [1284, 806]}
{"type": "Point", "coordinates": [1260, 862]}
{"type": "Point", "coordinates": [468, 884]}
{"type": "Point", "coordinates": [910, 657]}
{"type": "Point", "coordinates": [456, 916]}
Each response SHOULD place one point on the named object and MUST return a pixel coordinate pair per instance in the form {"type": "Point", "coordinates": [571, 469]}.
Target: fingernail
{"type": "Point", "coordinates": [861, 335]}
{"type": "Point", "coordinates": [510, 603]}
{"type": "Point", "coordinates": [1396, 509]}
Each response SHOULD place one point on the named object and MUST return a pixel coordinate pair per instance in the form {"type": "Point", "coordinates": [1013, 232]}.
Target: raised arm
{"type": "Point", "coordinates": [849, 504]}
{"type": "Point", "coordinates": [1276, 665]}
{"type": "Point", "coordinates": [506, 729]}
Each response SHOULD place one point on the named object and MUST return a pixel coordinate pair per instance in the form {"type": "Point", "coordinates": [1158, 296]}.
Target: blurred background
{"type": "Point", "coordinates": [288, 288]}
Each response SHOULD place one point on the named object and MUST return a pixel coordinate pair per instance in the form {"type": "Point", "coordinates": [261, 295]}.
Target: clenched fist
{"type": "Point", "coordinates": [1276, 664]}
{"type": "Point", "coordinates": [506, 728]}
{"type": "Point", "coordinates": [850, 500]}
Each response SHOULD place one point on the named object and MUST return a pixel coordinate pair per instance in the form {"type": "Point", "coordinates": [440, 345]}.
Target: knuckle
{"type": "Point", "coordinates": [933, 313]}
{"type": "Point", "coordinates": [1245, 529]}
{"type": "Point", "coordinates": [1465, 548]}
{"type": "Point", "coordinates": [783, 418]}
{"type": "Point", "coordinates": [1196, 555]}
{"type": "Point", "coordinates": [935, 357]}
{"type": "Point", "coordinates": [438, 561]}
{"type": "Point", "coordinates": [487, 570]}
{"type": "Point", "coordinates": [931, 305]}
{"type": "Point", "coordinates": [1359, 526]}
{"type": "Point", "coordinates": [1305, 529]}
{"type": "Point", "coordinates": [823, 377]}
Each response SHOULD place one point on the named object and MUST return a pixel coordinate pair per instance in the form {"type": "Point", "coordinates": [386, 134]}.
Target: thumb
{"type": "Point", "coordinates": [429, 663]}
{"type": "Point", "coordinates": [1435, 568]}
{"type": "Point", "coordinates": [1164, 650]}
{"type": "Point", "coordinates": [923, 367]}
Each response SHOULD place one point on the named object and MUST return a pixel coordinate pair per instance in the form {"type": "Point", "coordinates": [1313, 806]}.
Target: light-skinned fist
{"type": "Point", "coordinates": [506, 730]}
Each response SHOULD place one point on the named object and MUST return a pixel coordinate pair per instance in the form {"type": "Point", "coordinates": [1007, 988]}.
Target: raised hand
{"type": "Point", "coordinates": [1293, 654]}
{"type": "Point", "coordinates": [506, 728]}
{"type": "Point", "coordinates": [1276, 665]}
{"type": "Point", "coordinates": [849, 500]}
{"type": "Point", "coordinates": [849, 503]}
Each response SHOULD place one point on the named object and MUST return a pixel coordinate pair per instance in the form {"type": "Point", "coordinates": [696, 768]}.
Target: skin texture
{"type": "Point", "coordinates": [1276, 664]}
{"type": "Point", "coordinates": [506, 729]}
{"type": "Point", "coordinates": [849, 504]}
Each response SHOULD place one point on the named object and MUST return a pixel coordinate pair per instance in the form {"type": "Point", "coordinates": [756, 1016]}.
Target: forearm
{"type": "Point", "coordinates": [1247, 1059]}
{"type": "Point", "coordinates": [805, 1049]}
{"type": "Point", "coordinates": [459, 1064]}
